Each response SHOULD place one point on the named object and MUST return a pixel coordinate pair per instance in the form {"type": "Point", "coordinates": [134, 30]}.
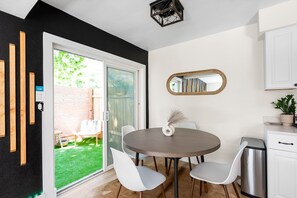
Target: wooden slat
{"type": "Point", "coordinates": [12, 95]}
{"type": "Point", "coordinates": [2, 98]}
{"type": "Point", "coordinates": [23, 148]}
{"type": "Point", "coordinates": [32, 97]}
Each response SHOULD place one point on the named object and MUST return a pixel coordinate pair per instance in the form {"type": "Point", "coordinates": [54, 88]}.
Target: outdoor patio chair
{"type": "Point", "coordinates": [90, 128]}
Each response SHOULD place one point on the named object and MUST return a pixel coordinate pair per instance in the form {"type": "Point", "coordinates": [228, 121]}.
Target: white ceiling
{"type": "Point", "coordinates": [131, 21]}
{"type": "Point", "coordinates": [19, 8]}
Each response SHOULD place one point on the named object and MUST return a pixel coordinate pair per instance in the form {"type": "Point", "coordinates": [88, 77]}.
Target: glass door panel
{"type": "Point", "coordinates": [121, 105]}
{"type": "Point", "coordinates": [78, 107]}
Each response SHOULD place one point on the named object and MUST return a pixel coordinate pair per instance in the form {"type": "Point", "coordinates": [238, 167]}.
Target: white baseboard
{"type": "Point", "coordinates": [41, 196]}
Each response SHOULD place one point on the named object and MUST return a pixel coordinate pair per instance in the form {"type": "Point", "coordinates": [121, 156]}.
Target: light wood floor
{"type": "Point", "coordinates": [107, 186]}
{"type": "Point", "coordinates": [86, 190]}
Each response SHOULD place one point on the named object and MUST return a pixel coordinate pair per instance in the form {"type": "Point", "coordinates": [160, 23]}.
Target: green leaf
{"type": "Point", "coordinates": [287, 104]}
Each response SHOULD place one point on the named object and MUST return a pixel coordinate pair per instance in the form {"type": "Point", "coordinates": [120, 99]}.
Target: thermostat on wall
{"type": "Point", "coordinates": [39, 94]}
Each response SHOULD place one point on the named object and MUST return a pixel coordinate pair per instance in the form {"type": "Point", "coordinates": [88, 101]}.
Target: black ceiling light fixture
{"type": "Point", "coordinates": [167, 12]}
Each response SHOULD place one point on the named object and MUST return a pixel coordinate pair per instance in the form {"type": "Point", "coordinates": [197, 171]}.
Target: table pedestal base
{"type": "Point", "coordinates": [176, 177]}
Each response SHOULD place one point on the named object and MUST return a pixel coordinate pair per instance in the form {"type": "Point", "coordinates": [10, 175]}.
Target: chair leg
{"type": "Point", "coordinates": [163, 190]}
{"type": "Point", "coordinates": [201, 187]}
{"type": "Point", "coordinates": [235, 189]}
{"type": "Point", "coordinates": [202, 158]}
{"type": "Point", "coordinates": [205, 187]}
{"type": "Point", "coordinates": [226, 191]}
{"type": "Point", "coordinates": [156, 167]}
{"type": "Point", "coordinates": [197, 160]}
{"type": "Point", "coordinates": [119, 191]}
{"type": "Point", "coordinates": [141, 162]}
{"type": "Point", "coordinates": [96, 140]}
{"type": "Point", "coordinates": [141, 194]}
{"type": "Point", "coordinates": [205, 184]}
{"type": "Point", "coordinates": [192, 189]}
{"type": "Point", "coordinates": [137, 159]}
{"type": "Point", "coordinates": [190, 164]}
{"type": "Point", "coordinates": [168, 170]}
{"type": "Point", "coordinates": [60, 140]}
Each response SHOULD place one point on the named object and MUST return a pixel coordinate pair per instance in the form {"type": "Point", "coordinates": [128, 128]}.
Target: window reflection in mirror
{"type": "Point", "coordinates": [201, 82]}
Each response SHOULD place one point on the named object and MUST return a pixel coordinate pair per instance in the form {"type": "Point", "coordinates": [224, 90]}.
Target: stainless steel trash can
{"type": "Point", "coordinates": [253, 168]}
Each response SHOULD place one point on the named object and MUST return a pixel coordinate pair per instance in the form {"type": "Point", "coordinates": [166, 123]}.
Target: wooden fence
{"type": "Point", "coordinates": [72, 105]}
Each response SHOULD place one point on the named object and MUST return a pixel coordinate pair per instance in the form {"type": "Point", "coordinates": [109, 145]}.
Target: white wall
{"type": "Point", "coordinates": [278, 16]}
{"type": "Point", "coordinates": [235, 112]}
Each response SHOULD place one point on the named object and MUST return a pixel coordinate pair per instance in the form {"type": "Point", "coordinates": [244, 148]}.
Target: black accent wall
{"type": "Point", "coordinates": [26, 181]}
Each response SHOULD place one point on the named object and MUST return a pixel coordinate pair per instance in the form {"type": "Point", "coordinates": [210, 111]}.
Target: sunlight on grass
{"type": "Point", "coordinates": [75, 162]}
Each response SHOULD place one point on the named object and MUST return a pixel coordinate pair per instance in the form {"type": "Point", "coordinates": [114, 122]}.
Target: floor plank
{"type": "Point", "coordinates": [109, 190]}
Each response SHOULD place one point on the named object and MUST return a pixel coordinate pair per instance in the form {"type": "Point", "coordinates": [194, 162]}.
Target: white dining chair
{"type": "Point", "coordinates": [216, 173]}
{"type": "Point", "coordinates": [128, 129]}
{"type": "Point", "coordinates": [135, 178]}
{"type": "Point", "coordinates": [186, 125]}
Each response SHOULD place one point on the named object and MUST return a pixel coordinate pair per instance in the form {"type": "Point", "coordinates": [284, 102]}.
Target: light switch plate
{"type": "Point", "coordinates": [39, 96]}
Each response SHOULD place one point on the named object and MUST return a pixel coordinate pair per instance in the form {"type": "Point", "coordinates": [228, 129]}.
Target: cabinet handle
{"type": "Point", "coordinates": [285, 143]}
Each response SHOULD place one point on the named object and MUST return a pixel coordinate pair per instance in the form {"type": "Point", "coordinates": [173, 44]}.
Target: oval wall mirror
{"type": "Point", "coordinates": [203, 82]}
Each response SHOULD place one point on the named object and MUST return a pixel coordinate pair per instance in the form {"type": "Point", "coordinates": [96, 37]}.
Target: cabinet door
{"type": "Point", "coordinates": [281, 60]}
{"type": "Point", "coordinates": [282, 174]}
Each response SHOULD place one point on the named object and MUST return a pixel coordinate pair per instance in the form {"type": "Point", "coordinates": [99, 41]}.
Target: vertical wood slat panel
{"type": "Point", "coordinates": [12, 95]}
{"type": "Point", "coordinates": [23, 146]}
{"type": "Point", "coordinates": [32, 97]}
{"type": "Point", "coordinates": [2, 98]}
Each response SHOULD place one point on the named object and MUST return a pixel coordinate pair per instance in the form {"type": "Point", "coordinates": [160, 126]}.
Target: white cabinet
{"type": "Point", "coordinates": [282, 174]}
{"type": "Point", "coordinates": [281, 162]}
{"type": "Point", "coordinates": [281, 58]}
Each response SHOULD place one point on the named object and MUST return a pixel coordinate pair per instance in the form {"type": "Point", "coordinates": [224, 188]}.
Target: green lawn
{"type": "Point", "coordinates": [75, 162]}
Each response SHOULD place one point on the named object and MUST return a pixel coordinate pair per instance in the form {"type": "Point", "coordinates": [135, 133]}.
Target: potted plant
{"type": "Point", "coordinates": [288, 106]}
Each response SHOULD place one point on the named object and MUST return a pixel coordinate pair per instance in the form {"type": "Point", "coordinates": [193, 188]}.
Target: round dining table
{"type": "Point", "coordinates": [183, 143]}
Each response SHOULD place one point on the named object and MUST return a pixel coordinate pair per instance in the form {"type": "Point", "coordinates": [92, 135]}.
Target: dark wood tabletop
{"type": "Point", "coordinates": [183, 143]}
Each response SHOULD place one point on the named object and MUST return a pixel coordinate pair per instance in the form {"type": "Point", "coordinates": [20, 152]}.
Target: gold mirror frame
{"type": "Point", "coordinates": [208, 71]}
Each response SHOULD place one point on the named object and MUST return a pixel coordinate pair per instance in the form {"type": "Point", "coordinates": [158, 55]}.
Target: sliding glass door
{"type": "Point", "coordinates": [121, 105]}
{"type": "Point", "coordinates": [118, 93]}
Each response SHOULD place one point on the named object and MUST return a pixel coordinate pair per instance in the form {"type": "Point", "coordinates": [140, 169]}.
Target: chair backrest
{"type": "Point", "coordinates": [125, 130]}
{"type": "Point", "coordinates": [235, 164]}
{"type": "Point", "coordinates": [126, 171]}
{"type": "Point", "coordinates": [84, 125]}
{"type": "Point", "coordinates": [187, 125]}
{"type": "Point", "coordinates": [90, 126]}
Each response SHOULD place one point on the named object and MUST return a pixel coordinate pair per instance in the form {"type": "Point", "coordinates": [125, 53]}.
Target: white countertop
{"type": "Point", "coordinates": [280, 129]}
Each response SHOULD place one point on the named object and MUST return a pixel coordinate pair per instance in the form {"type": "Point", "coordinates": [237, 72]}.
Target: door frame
{"type": "Point", "coordinates": [51, 42]}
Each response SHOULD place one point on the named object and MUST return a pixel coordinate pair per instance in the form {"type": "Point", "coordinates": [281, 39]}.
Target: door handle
{"type": "Point", "coordinates": [286, 143]}
{"type": "Point", "coordinates": [106, 115]}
